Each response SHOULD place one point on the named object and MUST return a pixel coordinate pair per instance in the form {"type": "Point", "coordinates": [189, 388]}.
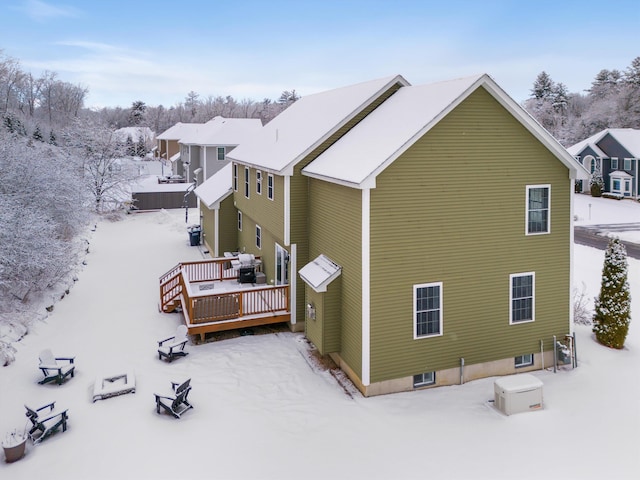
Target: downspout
{"type": "Point", "coordinates": [461, 371]}
{"type": "Point", "coordinates": [555, 354]}
{"type": "Point", "coordinates": [542, 353]}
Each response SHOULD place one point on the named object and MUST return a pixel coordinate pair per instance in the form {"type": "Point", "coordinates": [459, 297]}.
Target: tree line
{"type": "Point", "coordinates": [612, 101]}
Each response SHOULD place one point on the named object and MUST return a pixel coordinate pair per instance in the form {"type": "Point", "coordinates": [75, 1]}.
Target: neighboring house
{"type": "Point", "coordinates": [613, 152]}
{"type": "Point", "coordinates": [423, 233]}
{"type": "Point", "coordinates": [204, 147]}
{"type": "Point", "coordinates": [168, 149]}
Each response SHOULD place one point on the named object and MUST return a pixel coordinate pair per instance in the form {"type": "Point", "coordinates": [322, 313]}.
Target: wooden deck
{"type": "Point", "coordinates": [212, 300]}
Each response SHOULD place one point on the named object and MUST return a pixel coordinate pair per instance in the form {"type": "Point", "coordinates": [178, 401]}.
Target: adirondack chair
{"type": "Point", "coordinates": [55, 368]}
{"type": "Point", "coordinates": [45, 420]}
{"type": "Point", "coordinates": [173, 347]}
{"type": "Point", "coordinates": [175, 404]}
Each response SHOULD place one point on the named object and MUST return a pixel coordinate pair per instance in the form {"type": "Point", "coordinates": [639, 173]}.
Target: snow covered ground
{"type": "Point", "coordinates": [264, 410]}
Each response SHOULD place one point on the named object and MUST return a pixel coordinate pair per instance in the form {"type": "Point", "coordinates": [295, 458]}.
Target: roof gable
{"type": "Point", "coordinates": [221, 131]}
{"type": "Point", "coordinates": [401, 120]}
{"type": "Point", "coordinates": [293, 134]}
{"type": "Point", "coordinates": [216, 188]}
{"type": "Point", "coordinates": [627, 138]}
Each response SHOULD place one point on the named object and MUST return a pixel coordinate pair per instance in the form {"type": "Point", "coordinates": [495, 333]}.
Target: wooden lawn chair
{"type": "Point", "coordinates": [177, 403]}
{"type": "Point", "coordinates": [45, 420]}
{"type": "Point", "coordinates": [173, 347]}
{"type": "Point", "coordinates": [55, 368]}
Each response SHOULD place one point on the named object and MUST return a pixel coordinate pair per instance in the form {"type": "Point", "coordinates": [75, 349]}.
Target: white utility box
{"type": "Point", "coordinates": [518, 393]}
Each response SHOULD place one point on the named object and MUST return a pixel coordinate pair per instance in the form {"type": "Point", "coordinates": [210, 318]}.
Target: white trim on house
{"type": "Point", "coordinates": [366, 287]}
{"type": "Point", "coordinates": [287, 210]}
{"type": "Point", "coordinates": [571, 253]}
{"type": "Point", "coordinates": [216, 223]}
{"type": "Point", "coordinates": [293, 282]}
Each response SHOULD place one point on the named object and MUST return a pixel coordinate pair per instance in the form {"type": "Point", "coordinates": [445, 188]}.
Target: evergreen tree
{"type": "Point", "coordinates": [632, 74]}
{"type": "Point", "coordinates": [141, 146]}
{"type": "Point", "coordinates": [613, 306]}
{"type": "Point", "coordinates": [542, 87]}
{"type": "Point", "coordinates": [37, 134]}
{"type": "Point", "coordinates": [130, 147]}
{"type": "Point", "coordinates": [52, 138]}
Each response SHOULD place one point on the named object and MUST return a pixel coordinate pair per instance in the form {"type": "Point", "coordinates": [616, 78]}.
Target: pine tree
{"type": "Point", "coordinates": [37, 134]}
{"type": "Point", "coordinates": [542, 87]}
{"type": "Point", "coordinates": [613, 306]}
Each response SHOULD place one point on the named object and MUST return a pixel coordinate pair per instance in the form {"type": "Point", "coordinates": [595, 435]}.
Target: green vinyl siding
{"type": "Point", "coordinates": [325, 331]}
{"type": "Point", "coordinates": [451, 209]}
{"type": "Point", "coordinates": [228, 223]}
{"type": "Point", "coordinates": [336, 231]}
{"type": "Point", "coordinates": [208, 222]}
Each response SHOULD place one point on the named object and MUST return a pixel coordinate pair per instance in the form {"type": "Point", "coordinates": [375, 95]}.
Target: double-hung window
{"type": "Point", "coordinates": [258, 182]}
{"type": "Point", "coordinates": [239, 220]}
{"type": "Point", "coordinates": [627, 164]}
{"type": "Point", "coordinates": [522, 292]}
{"type": "Point", "coordinates": [427, 310]}
{"type": "Point", "coordinates": [258, 236]}
{"type": "Point", "coordinates": [246, 182]}
{"type": "Point", "coordinates": [270, 187]}
{"type": "Point", "coordinates": [235, 177]}
{"type": "Point", "coordinates": [221, 153]}
{"type": "Point", "coordinates": [614, 163]}
{"type": "Point", "coordinates": [538, 209]}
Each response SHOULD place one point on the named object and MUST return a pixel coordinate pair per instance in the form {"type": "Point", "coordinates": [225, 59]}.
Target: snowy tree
{"type": "Point", "coordinates": [613, 306]}
{"type": "Point", "coordinates": [596, 183]}
{"type": "Point", "coordinates": [542, 86]}
{"type": "Point", "coordinates": [137, 112]}
{"type": "Point", "coordinates": [632, 73]}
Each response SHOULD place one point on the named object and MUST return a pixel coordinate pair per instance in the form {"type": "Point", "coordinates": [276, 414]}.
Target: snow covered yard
{"type": "Point", "coordinates": [265, 410]}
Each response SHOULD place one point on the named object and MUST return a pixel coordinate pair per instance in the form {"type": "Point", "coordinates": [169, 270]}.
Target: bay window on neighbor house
{"type": "Point", "coordinates": [427, 310]}
{"type": "Point", "coordinates": [522, 297]}
{"type": "Point", "coordinates": [524, 360]}
{"type": "Point", "coordinates": [235, 177]}
{"type": "Point", "coordinates": [538, 209]}
{"type": "Point", "coordinates": [424, 379]}
{"type": "Point", "coordinates": [258, 237]}
{"type": "Point", "coordinates": [258, 182]}
{"type": "Point", "coordinates": [221, 154]}
{"type": "Point", "coordinates": [270, 187]}
{"type": "Point", "coordinates": [246, 182]}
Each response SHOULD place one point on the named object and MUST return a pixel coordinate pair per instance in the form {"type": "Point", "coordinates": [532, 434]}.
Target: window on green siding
{"type": "Point", "coordinates": [221, 153]}
{"type": "Point", "coordinates": [614, 163]}
{"type": "Point", "coordinates": [258, 182]}
{"type": "Point", "coordinates": [538, 209]}
{"type": "Point", "coordinates": [424, 379]}
{"type": "Point", "coordinates": [258, 236]}
{"type": "Point", "coordinates": [522, 297]}
{"type": "Point", "coordinates": [427, 310]}
{"type": "Point", "coordinates": [270, 187]}
{"type": "Point", "coordinates": [627, 164]}
{"type": "Point", "coordinates": [246, 182]}
{"type": "Point", "coordinates": [235, 177]}
{"type": "Point", "coordinates": [524, 360]}
{"type": "Point", "coordinates": [239, 220]}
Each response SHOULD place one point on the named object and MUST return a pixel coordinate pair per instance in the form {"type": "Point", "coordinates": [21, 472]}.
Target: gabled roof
{"type": "Point", "coordinates": [319, 273]}
{"type": "Point", "coordinates": [629, 138]}
{"type": "Point", "coordinates": [216, 188]}
{"type": "Point", "coordinates": [221, 131]}
{"type": "Point", "coordinates": [295, 132]}
{"type": "Point", "coordinates": [177, 131]}
{"type": "Point", "coordinates": [405, 117]}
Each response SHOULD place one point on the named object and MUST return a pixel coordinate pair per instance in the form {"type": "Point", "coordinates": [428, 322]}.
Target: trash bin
{"type": "Point", "coordinates": [194, 235]}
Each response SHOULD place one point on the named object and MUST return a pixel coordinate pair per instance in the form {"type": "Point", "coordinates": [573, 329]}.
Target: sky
{"type": "Point", "coordinates": [158, 51]}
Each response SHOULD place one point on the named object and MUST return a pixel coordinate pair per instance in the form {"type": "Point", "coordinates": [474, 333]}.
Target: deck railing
{"type": "Point", "coordinates": [203, 307]}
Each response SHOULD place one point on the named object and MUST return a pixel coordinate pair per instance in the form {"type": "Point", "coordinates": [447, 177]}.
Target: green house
{"type": "Point", "coordinates": [424, 232]}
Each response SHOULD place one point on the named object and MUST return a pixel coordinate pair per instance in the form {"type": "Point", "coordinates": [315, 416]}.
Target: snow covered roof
{"type": "Point", "coordinates": [294, 133]}
{"type": "Point", "coordinates": [319, 273]}
{"type": "Point", "coordinates": [620, 174]}
{"type": "Point", "coordinates": [221, 131]}
{"type": "Point", "coordinates": [175, 157]}
{"type": "Point", "coordinates": [135, 133]}
{"type": "Point", "coordinates": [178, 131]}
{"type": "Point", "coordinates": [216, 188]}
{"type": "Point", "coordinates": [405, 117]}
{"type": "Point", "coordinates": [629, 138]}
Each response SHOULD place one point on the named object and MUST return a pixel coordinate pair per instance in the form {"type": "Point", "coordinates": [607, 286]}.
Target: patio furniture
{"type": "Point", "coordinates": [45, 420]}
{"type": "Point", "coordinates": [176, 403]}
{"type": "Point", "coordinates": [55, 368]}
{"type": "Point", "coordinates": [173, 347]}
{"type": "Point", "coordinates": [113, 385]}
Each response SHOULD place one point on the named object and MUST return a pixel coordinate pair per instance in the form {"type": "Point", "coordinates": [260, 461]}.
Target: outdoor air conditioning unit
{"type": "Point", "coordinates": [518, 393]}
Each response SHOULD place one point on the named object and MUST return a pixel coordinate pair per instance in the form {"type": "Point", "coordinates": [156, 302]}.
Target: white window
{"type": "Point", "coordinates": [524, 360]}
{"type": "Point", "coordinates": [627, 164]}
{"type": "Point", "coordinates": [246, 182]}
{"type": "Point", "coordinates": [239, 220]}
{"type": "Point", "coordinates": [424, 379]}
{"type": "Point", "coordinates": [522, 297]}
{"type": "Point", "coordinates": [270, 187]}
{"type": "Point", "coordinates": [538, 209]}
{"type": "Point", "coordinates": [258, 182]}
{"type": "Point", "coordinates": [614, 163]}
{"type": "Point", "coordinates": [258, 236]}
{"type": "Point", "coordinates": [221, 153]}
{"type": "Point", "coordinates": [427, 310]}
{"type": "Point", "coordinates": [235, 177]}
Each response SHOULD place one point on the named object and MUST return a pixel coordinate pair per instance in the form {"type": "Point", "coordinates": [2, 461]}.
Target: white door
{"type": "Point", "coordinates": [282, 266]}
